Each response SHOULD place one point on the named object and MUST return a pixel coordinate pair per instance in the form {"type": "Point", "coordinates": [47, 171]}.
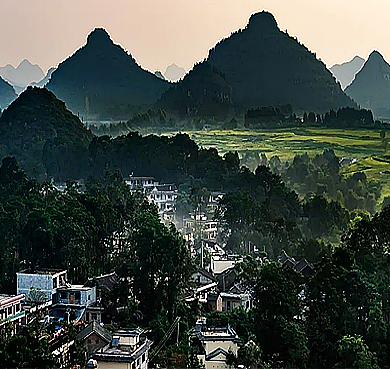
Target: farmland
{"type": "Point", "coordinates": [366, 146]}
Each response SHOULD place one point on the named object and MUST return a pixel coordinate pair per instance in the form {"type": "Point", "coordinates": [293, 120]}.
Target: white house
{"type": "Point", "coordinates": [127, 350]}
{"type": "Point", "coordinates": [214, 344]}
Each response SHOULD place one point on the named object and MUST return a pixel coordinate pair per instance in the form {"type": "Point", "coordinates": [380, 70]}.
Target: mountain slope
{"type": "Point", "coordinates": [203, 91]}
{"type": "Point", "coordinates": [43, 135]}
{"type": "Point", "coordinates": [345, 72]}
{"type": "Point", "coordinates": [266, 66]}
{"type": "Point", "coordinates": [101, 79]}
{"type": "Point", "coordinates": [45, 79]}
{"type": "Point", "coordinates": [7, 94]}
{"type": "Point", "coordinates": [371, 86]}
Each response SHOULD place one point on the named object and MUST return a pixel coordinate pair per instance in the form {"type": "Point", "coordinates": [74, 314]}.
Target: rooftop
{"type": "Point", "coordinates": [129, 332]}
{"type": "Point", "coordinates": [6, 299]}
{"type": "Point", "coordinates": [114, 354]}
{"type": "Point", "coordinates": [96, 328]}
{"type": "Point", "coordinates": [43, 271]}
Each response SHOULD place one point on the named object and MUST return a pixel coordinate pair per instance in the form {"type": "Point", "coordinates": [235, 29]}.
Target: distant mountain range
{"type": "Point", "coordinates": [345, 72]}
{"type": "Point", "coordinates": [174, 72]}
{"type": "Point", "coordinates": [371, 86]}
{"type": "Point", "coordinates": [7, 94]}
{"type": "Point", "coordinates": [267, 67]}
{"type": "Point", "coordinates": [21, 76]}
{"type": "Point", "coordinates": [101, 80]}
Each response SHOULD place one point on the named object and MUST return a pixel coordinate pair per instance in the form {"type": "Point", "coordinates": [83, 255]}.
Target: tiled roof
{"type": "Point", "coordinates": [96, 328]}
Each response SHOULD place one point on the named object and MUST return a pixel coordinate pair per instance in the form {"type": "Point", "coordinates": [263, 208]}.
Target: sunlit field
{"type": "Point", "coordinates": [363, 145]}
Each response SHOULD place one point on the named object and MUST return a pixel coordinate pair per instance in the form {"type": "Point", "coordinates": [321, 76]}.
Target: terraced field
{"type": "Point", "coordinates": [363, 145]}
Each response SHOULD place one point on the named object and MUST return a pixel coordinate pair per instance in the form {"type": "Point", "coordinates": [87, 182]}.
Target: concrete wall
{"type": "Point", "coordinates": [91, 293]}
{"type": "Point", "coordinates": [42, 281]}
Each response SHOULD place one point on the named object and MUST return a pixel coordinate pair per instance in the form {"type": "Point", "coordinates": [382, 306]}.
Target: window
{"type": "Point", "coordinates": [143, 358]}
{"type": "Point", "coordinates": [10, 311]}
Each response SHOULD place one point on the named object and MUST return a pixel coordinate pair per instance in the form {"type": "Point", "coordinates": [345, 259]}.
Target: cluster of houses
{"type": "Point", "coordinates": [216, 281]}
{"type": "Point", "coordinates": [48, 295]}
{"type": "Point", "coordinates": [164, 196]}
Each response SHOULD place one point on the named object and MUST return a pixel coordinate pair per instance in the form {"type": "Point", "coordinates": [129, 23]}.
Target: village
{"type": "Point", "coordinates": [48, 296]}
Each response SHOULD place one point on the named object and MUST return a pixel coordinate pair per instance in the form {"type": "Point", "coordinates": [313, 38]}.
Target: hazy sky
{"type": "Point", "coordinates": [160, 32]}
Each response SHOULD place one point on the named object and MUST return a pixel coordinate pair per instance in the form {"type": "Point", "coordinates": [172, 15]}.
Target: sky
{"type": "Point", "coordinates": [161, 32]}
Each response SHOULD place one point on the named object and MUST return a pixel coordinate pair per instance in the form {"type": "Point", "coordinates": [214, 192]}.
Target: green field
{"type": "Point", "coordinates": [363, 145]}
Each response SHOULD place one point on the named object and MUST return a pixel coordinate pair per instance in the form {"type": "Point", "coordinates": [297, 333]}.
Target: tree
{"type": "Point", "coordinates": [354, 353]}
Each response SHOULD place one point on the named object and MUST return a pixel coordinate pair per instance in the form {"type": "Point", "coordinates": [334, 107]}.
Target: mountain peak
{"type": "Point", "coordinates": [263, 21]}
{"type": "Point", "coordinates": [25, 62]}
{"type": "Point", "coordinates": [376, 56]}
{"type": "Point", "coordinates": [99, 36]}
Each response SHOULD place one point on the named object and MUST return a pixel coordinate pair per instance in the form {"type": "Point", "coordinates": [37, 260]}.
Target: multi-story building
{"type": "Point", "coordinates": [162, 195]}
{"type": "Point", "coordinates": [214, 344]}
{"type": "Point", "coordinates": [127, 350]}
{"type": "Point", "coordinates": [11, 309]}
{"type": "Point", "coordinates": [78, 301]}
{"type": "Point", "coordinates": [40, 284]}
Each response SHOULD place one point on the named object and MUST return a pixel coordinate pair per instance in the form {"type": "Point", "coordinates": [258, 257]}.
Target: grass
{"type": "Point", "coordinates": [363, 145]}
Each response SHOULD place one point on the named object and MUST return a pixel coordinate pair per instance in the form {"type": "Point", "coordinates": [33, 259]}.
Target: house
{"type": "Point", "coordinates": [76, 300]}
{"type": "Point", "coordinates": [42, 283]}
{"type": "Point", "coordinates": [227, 279]}
{"type": "Point", "coordinates": [301, 266]}
{"type": "Point", "coordinates": [220, 263]}
{"type": "Point", "coordinates": [214, 344]}
{"type": "Point", "coordinates": [106, 282]}
{"type": "Point", "coordinates": [164, 196]}
{"type": "Point", "coordinates": [11, 310]}
{"type": "Point", "coordinates": [140, 182]}
{"type": "Point", "coordinates": [127, 350]}
{"type": "Point", "coordinates": [106, 294]}
{"type": "Point", "coordinates": [214, 198]}
{"type": "Point", "coordinates": [304, 267]}
{"type": "Point", "coordinates": [94, 337]}
{"type": "Point", "coordinates": [202, 277]}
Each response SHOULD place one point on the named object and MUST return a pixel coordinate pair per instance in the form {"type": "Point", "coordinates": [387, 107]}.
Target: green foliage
{"type": "Point", "coordinates": [354, 353]}
{"type": "Point", "coordinates": [26, 349]}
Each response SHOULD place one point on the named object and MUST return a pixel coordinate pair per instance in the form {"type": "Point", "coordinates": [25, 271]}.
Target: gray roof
{"type": "Point", "coordinates": [107, 281]}
{"type": "Point", "coordinates": [114, 354]}
{"type": "Point", "coordinates": [215, 353]}
{"type": "Point", "coordinates": [96, 328]}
